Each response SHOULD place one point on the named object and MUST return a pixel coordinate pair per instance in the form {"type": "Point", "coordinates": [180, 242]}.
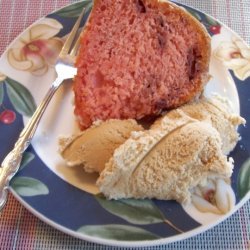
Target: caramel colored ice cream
{"type": "Point", "coordinates": [155, 164]}
{"type": "Point", "coordinates": [215, 111]}
{"type": "Point", "coordinates": [181, 150]}
{"type": "Point", "coordinates": [93, 147]}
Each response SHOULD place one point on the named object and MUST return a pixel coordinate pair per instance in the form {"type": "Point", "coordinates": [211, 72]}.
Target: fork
{"type": "Point", "coordinates": [65, 70]}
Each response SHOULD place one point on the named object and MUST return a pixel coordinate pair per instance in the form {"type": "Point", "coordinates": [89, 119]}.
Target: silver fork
{"type": "Point", "coordinates": [65, 70]}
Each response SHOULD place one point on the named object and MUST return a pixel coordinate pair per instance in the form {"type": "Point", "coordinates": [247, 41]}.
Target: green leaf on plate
{"type": "Point", "coordinates": [1, 93]}
{"type": "Point", "coordinates": [139, 212]}
{"type": "Point", "coordinates": [20, 97]}
{"type": "Point", "coordinates": [27, 186]}
{"type": "Point", "coordinates": [74, 10]}
{"type": "Point", "coordinates": [118, 232]}
{"type": "Point", "coordinates": [27, 158]}
{"type": "Point", "coordinates": [194, 14]}
{"type": "Point", "coordinates": [243, 182]}
{"type": "Point", "coordinates": [211, 21]}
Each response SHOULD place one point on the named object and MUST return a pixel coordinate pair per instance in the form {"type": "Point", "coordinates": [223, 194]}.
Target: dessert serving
{"type": "Point", "coordinates": [150, 57]}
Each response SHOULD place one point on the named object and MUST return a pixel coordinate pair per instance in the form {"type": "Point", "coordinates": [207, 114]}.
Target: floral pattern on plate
{"type": "Point", "coordinates": [89, 216]}
{"type": "Point", "coordinates": [235, 55]}
{"type": "Point", "coordinates": [37, 49]}
{"type": "Point", "coordinates": [215, 197]}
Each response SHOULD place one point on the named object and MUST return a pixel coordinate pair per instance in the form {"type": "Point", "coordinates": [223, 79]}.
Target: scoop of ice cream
{"type": "Point", "coordinates": [93, 147]}
{"type": "Point", "coordinates": [215, 111]}
{"type": "Point", "coordinates": [165, 164]}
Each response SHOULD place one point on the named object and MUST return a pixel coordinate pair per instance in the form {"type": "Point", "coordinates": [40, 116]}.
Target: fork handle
{"type": "Point", "coordinates": [11, 162]}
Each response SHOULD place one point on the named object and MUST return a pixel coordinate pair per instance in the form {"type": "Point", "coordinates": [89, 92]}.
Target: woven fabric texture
{"type": "Point", "coordinates": [19, 229]}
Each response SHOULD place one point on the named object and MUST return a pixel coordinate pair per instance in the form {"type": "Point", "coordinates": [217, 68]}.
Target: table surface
{"type": "Point", "coordinates": [19, 229]}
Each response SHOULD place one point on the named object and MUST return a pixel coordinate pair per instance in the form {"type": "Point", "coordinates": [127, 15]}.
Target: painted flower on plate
{"type": "Point", "coordinates": [215, 197]}
{"type": "Point", "coordinates": [37, 49]}
{"type": "Point", "coordinates": [235, 55]}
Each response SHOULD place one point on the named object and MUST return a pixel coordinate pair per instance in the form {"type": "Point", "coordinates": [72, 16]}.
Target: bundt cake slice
{"type": "Point", "coordinates": [138, 57]}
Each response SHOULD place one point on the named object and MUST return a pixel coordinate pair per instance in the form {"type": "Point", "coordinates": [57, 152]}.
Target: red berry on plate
{"type": "Point", "coordinates": [215, 29]}
{"type": "Point", "coordinates": [7, 116]}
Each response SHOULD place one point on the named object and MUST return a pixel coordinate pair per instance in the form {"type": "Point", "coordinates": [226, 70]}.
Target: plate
{"type": "Point", "coordinates": [67, 198]}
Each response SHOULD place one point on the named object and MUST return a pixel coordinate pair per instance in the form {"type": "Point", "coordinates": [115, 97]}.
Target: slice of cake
{"type": "Point", "coordinates": [138, 57]}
